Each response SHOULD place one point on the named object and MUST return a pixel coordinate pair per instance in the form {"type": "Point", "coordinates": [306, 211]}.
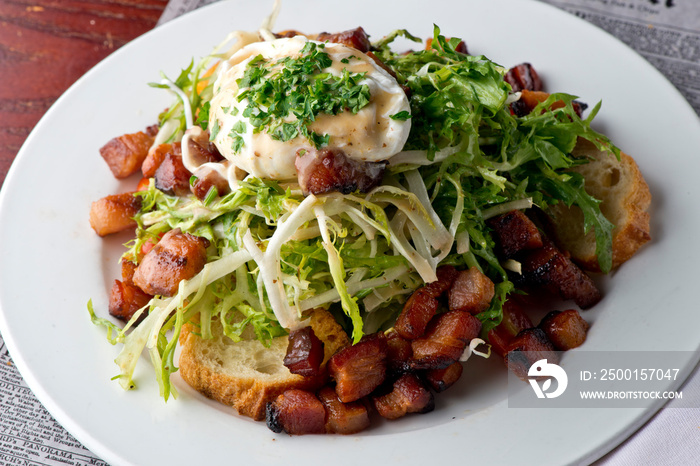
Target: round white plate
{"type": "Point", "coordinates": [52, 262]}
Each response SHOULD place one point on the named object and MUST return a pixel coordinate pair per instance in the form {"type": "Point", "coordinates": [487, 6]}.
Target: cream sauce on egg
{"type": "Point", "coordinates": [368, 135]}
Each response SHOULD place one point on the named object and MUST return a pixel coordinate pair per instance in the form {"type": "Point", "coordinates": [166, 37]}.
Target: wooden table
{"type": "Point", "coordinates": [46, 45]}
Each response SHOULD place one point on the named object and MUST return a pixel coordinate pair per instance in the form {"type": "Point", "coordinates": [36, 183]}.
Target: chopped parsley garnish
{"type": "Point", "coordinates": [297, 87]}
{"type": "Point", "coordinates": [235, 134]}
{"type": "Point", "coordinates": [203, 116]}
{"type": "Point", "coordinates": [401, 116]}
{"type": "Point", "coordinates": [237, 144]}
{"type": "Point", "coordinates": [239, 127]}
{"type": "Point", "coordinates": [214, 130]}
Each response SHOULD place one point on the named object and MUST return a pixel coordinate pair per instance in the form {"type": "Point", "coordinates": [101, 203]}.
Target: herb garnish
{"type": "Point", "coordinates": [285, 96]}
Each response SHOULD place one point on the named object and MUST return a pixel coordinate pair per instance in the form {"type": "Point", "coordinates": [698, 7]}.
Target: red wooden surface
{"type": "Point", "coordinates": [46, 45]}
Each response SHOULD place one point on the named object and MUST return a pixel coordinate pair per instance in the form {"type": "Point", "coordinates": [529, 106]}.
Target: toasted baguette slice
{"type": "Point", "coordinates": [625, 199]}
{"type": "Point", "coordinates": [246, 374]}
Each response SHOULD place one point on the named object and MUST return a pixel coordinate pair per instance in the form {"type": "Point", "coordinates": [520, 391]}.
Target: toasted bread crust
{"type": "Point", "coordinates": [246, 375]}
{"type": "Point", "coordinates": [625, 197]}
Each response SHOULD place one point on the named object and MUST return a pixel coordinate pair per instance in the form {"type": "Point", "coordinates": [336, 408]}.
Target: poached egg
{"type": "Point", "coordinates": [369, 135]}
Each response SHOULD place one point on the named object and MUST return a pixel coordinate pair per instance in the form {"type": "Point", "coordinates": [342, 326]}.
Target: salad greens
{"type": "Point", "coordinates": [275, 253]}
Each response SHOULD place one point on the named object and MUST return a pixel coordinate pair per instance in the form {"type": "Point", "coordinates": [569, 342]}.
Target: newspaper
{"type": "Point", "coordinates": [665, 32]}
{"type": "Point", "coordinates": [29, 435]}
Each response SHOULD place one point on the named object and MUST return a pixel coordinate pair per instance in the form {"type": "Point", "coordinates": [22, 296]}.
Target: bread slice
{"type": "Point", "coordinates": [246, 374]}
{"type": "Point", "coordinates": [625, 202]}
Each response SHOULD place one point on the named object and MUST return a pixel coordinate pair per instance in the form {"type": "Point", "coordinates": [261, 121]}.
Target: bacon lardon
{"type": "Point", "coordinates": [126, 299]}
{"type": "Point", "coordinates": [416, 314]}
{"type": "Point", "coordinates": [442, 379]}
{"type": "Point", "coordinates": [177, 256]}
{"type": "Point", "coordinates": [343, 418]}
{"type": "Point", "coordinates": [423, 304]}
{"type": "Point", "coordinates": [550, 268]}
{"type": "Point", "coordinates": [288, 33]}
{"type": "Point", "coordinates": [523, 76]}
{"type": "Point", "coordinates": [528, 347]}
{"type": "Point", "coordinates": [328, 170]}
{"type": "Point", "coordinates": [128, 268]}
{"type": "Point", "coordinates": [446, 275]}
{"type": "Point", "coordinates": [114, 213]}
{"type": "Point", "coordinates": [445, 339]}
{"type": "Point", "coordinates": [566, 330]}
{"type": "Point", "coordinates": [472, 291]}
{"type": "Point", "coordinates": [202, 151]}
{"type": "Point", "coordinates": [296, 412]}
{"type": "Point", "coordinates": [172, 177]}
{"type": "Point", "coordinates": [304, 352]}
{"type": "Point", "coordinates": [125, 154]}
{"type": "Point", "coordinates": [408, 395]}
{"type": "Point", "coordinates": [356, 38]}
{"type": "Point", "coordinates": [360, 368]}
{"type": "Point", "coordinates": [514, 232]}
{"type": "Point", "coordinates": [514, 321]}
{"type": "Point", "coordinates": [399, 352]}
{"type": "Point", "coordinates": [156, 157]}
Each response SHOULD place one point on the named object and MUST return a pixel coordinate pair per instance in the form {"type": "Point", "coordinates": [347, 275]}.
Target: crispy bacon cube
{"type": "Point", "coordinates": [296, 412]}
{"type": "Point", "coordinates": [523, 76]}
{"type": "Point", "coordinates": [514, 321]}
{"type": "Point", "coordinates": [114, 213]}
{"type": "Point", "coordinates": [343, 418]}
{"type": "Point", "coordinates": [157, 155]}
{"type": "Point", "coordinates": [445, 339]}
{"type": "Point", "coordinates": [125, 154]}
{"type": "Point", "coordinates": [550, 268]}
{"type": "Point", "coordinates": [177, 256]}
{"type": "Point", "coordinates": [399, 352]}
{"type": "Point", "coordinates": [416, 314]}
{"type": "Point", "coordinates": [125, 300]}
{"type": "Point", "coordinates": [442, 379]}
{"type": "Point", "coordinates": [528, 347]}
{"type": "Point", "coordinates": [202, 149]}
{"type": "Point", "coordinates": [446, 275]}
{"type": "Point", "coordinates": [408, 395]}
{"type": "Point", "coordinates": [514, 232]}
{"type": "Point", "coordinates": [356, 38]}
{"type": "Point", "coordinates": [472, 291]}
{"type": "Point", "coordinates": [423, 304]}
{"type": "Point", "coordinates": [172, 177]}
{"type": "Point", "coordinates": [202, 186]}
{"type": "Point", "coordinates": [288, 33]}
{"type": "Point", "coordinates": [566, 330]}
{"type": "Point", "coordinates": [329, 170]}
{"type": "Point", "coordinates": [304, 353]}
{"type": "Point", "coordinates": [128, 268]}
{"type": "Point", "coordinates": [360, 368]}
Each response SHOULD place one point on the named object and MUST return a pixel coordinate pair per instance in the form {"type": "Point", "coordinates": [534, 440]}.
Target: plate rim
{"type": "Point", "coordinates": [17, 355]}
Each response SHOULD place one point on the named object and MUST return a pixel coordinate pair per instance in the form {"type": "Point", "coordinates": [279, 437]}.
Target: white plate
{"type": "Point", "coordinates": [52, 262]}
